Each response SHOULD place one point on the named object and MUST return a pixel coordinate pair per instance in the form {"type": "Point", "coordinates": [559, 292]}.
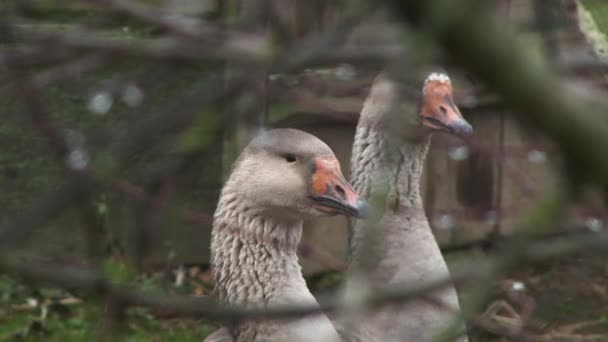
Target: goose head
{"type": "Point", "coordinates": [438, 112]}
{"type": "Point", "coordinates": [292, 174]}
{"type": "Point", "coordinates": [414, 111]}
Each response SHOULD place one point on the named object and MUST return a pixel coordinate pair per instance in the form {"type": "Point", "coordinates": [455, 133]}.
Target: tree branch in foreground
{"type": "Point", "coordinates": [481, 45]}
{"type": "Point", "coordinates": [187, 306]}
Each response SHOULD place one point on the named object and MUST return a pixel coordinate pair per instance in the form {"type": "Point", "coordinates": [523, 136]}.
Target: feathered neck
{"type": "Point", "coordinates": [385, 164]}
{"type": "Point", "coordinates": [252, 254]}
{"type": "Point", "coordinates": [399, 248]}
{"type": "Point", "coordinates": [255, 263]}
{"type": "Point", "coordinates": [383, 160]}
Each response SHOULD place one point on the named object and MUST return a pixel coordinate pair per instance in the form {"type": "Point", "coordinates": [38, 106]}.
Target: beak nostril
{"type": "Point", "coordinates": [443, 110]}
{"type": "Point", "coordinates": [341, 191]}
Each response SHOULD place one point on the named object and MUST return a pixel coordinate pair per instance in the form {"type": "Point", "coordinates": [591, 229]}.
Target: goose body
{"type": "Point", "coordinates": [389, 151]}
{"type": "Point", "coordinates": [283, 177]}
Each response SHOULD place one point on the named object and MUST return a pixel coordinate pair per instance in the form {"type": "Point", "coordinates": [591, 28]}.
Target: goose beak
{"type": "Point", "coordinates": [331, 193]}
{"type": "Point", "coordinates": [439, 113]}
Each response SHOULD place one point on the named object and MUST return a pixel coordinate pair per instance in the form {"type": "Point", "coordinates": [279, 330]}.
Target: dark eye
{"type": "Point", "coordinates": [290, 158]}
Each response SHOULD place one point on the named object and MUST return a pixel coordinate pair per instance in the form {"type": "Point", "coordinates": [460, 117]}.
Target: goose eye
{"type": "Point", "coordinates": [290, 158]}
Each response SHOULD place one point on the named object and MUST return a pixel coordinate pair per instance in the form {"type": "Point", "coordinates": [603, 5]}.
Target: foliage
{"type": "Point", "coordinates": [39, 313]}
{"type": "Point", "coordinates": [599, 11]}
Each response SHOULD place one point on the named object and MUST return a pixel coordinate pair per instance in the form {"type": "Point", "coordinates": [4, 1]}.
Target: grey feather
{"type": "Point", "coordinates": [256, 230]}
{"type": "Point", "coordinates": [388, 148]}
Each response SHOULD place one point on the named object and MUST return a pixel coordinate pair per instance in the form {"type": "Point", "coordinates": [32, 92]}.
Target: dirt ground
{"type": "Point", "coordinates": [562, 300]}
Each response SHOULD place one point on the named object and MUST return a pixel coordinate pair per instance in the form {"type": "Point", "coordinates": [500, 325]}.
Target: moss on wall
{"type": "Point", "coordinates": [29, 170]}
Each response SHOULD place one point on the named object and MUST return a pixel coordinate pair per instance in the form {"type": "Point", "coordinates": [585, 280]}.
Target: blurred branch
{"type": "Point", "coordinates": [188, 27]}
{"type": "Point", "coordinates": [70, 70]}
{"type": "Point", "coordinates": [44, 210]}
{"type": "Point", "coordinates": [140, 194]}
{"type": "Point", "coordinates": [481, 45]}
{"type": "Point", "coordinates": [491, 243]}
{"type": "Point", "coordinates": [474, 41]}
{"type": "Point", "coordinates": [187, 306]}
{"type": "Point", "coordinates": [244, 48]}
{"type": "Point", "coordinates": [309, 51]}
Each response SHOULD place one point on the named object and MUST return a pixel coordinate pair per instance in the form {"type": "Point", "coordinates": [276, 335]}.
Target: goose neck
{"type": "Point", "coordinates": [254, 256]}
{"type": "Point", "coordinates": [383, 161]}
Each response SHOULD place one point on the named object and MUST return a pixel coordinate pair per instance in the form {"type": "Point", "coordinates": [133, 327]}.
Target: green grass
{"type": "Point", "coordinates": [85, 322]}
{"type": "Point", "coordinates": [562, 289]}
{"type": "Point", "coordinates": [71, 318]}
{"type": "Point", "coordinates": [599, 11]}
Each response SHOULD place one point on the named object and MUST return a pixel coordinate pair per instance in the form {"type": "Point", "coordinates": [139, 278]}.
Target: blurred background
{"type": "Point", "coordinates": [120, 120]}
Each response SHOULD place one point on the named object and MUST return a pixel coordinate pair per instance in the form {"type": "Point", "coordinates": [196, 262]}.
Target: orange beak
{"type": "Point", "coordinates": [439, 112]}
{"type": "Point", "coordinates": [331, 193]}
